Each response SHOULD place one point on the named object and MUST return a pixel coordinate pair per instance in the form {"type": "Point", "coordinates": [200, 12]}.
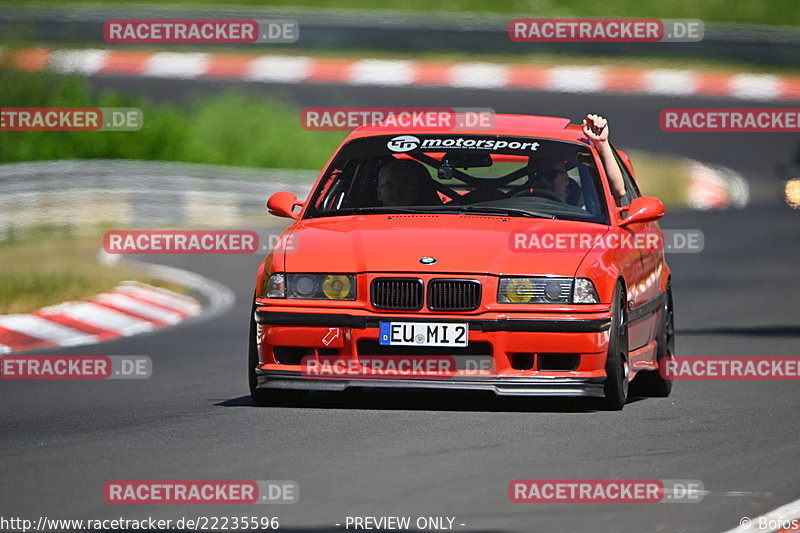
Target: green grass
{"type": "Point", "coordinates": [775, 12]}
{"type": "Point", "coordinates": [662, 176]}
{"type": "Point", "coordinates": [48, 265]}
{"type": "Point", "coordinates": [233, 128]}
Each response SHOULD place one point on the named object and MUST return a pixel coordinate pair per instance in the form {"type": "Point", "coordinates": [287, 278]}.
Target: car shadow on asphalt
{"type": "Point", "coordinates": [757, 331]}
{"type": "Point", "coordinates": [427, 400]}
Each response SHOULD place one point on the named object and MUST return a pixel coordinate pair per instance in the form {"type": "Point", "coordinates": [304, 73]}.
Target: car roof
{"type": "Point", "coordinates": [558, 128]}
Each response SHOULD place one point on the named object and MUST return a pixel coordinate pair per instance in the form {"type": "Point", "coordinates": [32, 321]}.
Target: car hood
{"type": "Point", "coordinates": [459, 243]}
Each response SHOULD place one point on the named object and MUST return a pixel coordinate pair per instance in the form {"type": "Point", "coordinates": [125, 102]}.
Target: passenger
{"type": "Point", "coordinates": [549, 177]}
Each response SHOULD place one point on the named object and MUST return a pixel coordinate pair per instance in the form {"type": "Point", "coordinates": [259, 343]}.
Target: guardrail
{"type": "Point", "coordinates": [139, 194]}
{"type": "Point", "coordinates": [396, 31]}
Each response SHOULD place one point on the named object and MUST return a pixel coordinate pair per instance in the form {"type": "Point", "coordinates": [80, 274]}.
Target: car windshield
{"type": "Point", "coordinates": [492, 175]}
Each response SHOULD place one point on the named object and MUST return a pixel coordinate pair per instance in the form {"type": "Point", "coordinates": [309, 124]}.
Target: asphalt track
{"type": "Point", "coordinates": [447, 454]}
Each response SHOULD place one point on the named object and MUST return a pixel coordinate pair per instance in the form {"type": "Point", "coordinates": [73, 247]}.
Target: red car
{"type": "Point", "coordinates": [502, 251]}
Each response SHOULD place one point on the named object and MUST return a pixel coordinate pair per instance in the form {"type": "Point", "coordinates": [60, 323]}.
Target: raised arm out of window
{"type": "Point", "coordinates": [595, 128]}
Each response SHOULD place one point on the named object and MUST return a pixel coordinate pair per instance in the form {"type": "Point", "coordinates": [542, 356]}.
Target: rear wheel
{"type": "Point", "coordinates": [656, 383]}
{"type": "Point", "coordinates": [616, 384]}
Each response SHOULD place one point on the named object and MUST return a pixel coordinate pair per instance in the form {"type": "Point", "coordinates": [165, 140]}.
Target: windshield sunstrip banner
{"type": "Point", "coordinates": [407, 143]}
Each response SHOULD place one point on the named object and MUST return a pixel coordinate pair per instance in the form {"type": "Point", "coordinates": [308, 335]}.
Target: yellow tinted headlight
{"type": "Point", "coordinates": [320, 286]}
{"type": "Point", "coordinates": [337, 287]}
{"type": "Point", "coordinates": [518, 290]}
{"type": "Point", "coordinates": [541, 290]}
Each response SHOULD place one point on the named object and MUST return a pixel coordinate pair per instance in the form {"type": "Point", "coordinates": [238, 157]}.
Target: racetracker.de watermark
{"type": "Point", "coordinates": [785, 120]}
{"type": "Point", "coordinates": [605, 30]}
{"type": "Point", "coordinates": [149, 523]}
{"type": "Point", "coordinates": [731, 368]}
{"type": "Point", "coordinates": [668, 241]}
{"type": "Point", "coordinates": [165, 31]}
{"type": "Point", "coordinates": [416, 118]}
{"type": "Point", "coordinates": [195, 242]}
{"type": "Point", "coordinates": [71, 119]}
{"type": "Point", "coordinates": [606, 491]}
{"type": "Point", "coordinates": [75, 367]}
{"type": "Point", "coordinates": [397, 367]}
{"type": "Point", "coordinates": [200, 492]}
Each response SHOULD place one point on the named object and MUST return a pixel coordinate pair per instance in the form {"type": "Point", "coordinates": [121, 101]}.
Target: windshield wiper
{"type": "Point", "coordinates": [508, 211]}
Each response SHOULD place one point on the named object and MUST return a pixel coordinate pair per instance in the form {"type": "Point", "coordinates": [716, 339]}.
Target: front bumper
{"type": "Point", "coordinates": [540, 325]}
{"type": "Point", "coordinates": [508, 386]}
{"type": "Point", "coordinates": [582, 337]}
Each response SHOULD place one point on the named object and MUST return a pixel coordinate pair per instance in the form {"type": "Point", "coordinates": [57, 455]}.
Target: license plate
{"type": "Point", "coordinates": [423, 334]}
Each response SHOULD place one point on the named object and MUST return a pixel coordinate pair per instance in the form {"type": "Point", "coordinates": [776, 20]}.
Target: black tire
{"type": "Point", "coordinates": [266, 397]}
{"type": "Point", "coordinates": [258, 396]}
{"type": "Point", "coordinates": [615, 387]}
{"type": "Point", "coordinates": [653, 383]}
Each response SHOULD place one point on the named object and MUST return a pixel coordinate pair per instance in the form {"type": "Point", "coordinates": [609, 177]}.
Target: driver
{"type": "Point", "coordinates": [550, 176]}
{"type": "Point", "coordinates": [400, 182]}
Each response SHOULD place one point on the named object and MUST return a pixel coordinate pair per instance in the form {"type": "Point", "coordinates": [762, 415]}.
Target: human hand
{"type": "Point", "coordinates": [595, 128]}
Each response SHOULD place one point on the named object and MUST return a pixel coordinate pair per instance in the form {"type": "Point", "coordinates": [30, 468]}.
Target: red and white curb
{"type": "Point", "coordinates": [715, 187]}
{"type": "Point", "coordinates": [129, 309]}
{"type": "Point", "coordinates": [398, 73]}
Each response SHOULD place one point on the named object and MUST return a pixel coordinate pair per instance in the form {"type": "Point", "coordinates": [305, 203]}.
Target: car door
{"type": "Point", "coordinates": [636, 265]}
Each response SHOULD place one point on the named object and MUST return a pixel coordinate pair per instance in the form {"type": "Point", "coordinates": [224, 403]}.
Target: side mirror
{"type": "Point", "coordinates": [282, 204]}
{"type": "Point", "coordinates": [643, 209]}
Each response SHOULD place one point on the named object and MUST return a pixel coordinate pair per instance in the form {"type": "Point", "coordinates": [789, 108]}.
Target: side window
{"type": "Point", "coordinates": [336, 189]}
{"type": "Point", "coordinates": [335, 194]}
{"type": "Point", "coordinates": [631, 190]}
{"type": "Point", "coordinates": [345, 187]}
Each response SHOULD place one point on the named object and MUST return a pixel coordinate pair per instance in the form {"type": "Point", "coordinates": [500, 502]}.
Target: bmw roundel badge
{"type": "Point", "coordinates": [427, 260]}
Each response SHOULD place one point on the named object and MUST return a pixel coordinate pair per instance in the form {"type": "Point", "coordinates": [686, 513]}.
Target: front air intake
{"type": "Point", "coordinates": [454, 294]}
{"type": "Point", "coordinates": [397, 294]}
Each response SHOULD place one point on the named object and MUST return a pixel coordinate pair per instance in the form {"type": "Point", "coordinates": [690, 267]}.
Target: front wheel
{"type": "Point", "coordinates": [616, 384]}
{"type": "Point", "coordinates": [266, 397]}
{"type": "Point", "coordinates": [658, 383]}
{"type": "Point", "coordinates": [257, 395]}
